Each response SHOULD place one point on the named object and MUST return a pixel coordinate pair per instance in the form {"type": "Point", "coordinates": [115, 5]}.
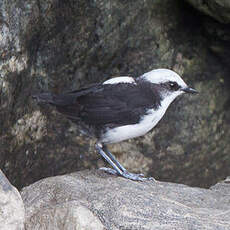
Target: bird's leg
{"type": "Point", "coordinates": [99, 148]}
{"type": "Point", "coordinates": [118, 169]}
{"type": "Point", "coordinates": [112, 157]}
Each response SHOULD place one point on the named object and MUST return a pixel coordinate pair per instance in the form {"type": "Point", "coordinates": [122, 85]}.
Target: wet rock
{"type": "Point", "coordinates": [96, 200]}
{"type": "Point", "coordinates": [12, 212]}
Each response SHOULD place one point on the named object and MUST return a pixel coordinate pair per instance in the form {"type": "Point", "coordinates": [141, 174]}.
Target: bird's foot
{"type": "Point", "coordinates": [136, 177]}
{"type": "Point", "coordinates": [109, 170]}
{"type": "Point", "coordinates": [128, 175]}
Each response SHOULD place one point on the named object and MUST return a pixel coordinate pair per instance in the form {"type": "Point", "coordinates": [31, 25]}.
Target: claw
{"type": "Point", "coordinates": [133, 176]}
{"type": "Point", "coordinates": [109, 170]}
{"type": "Point", "coordinates": [128, 175]}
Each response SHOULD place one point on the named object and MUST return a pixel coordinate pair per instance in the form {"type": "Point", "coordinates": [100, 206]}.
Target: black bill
{"type": "Point", "coordinates": [189, 90]}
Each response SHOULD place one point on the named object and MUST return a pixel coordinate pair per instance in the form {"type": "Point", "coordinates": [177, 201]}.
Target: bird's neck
{"type": "Point", "coordinates": [168, 99]}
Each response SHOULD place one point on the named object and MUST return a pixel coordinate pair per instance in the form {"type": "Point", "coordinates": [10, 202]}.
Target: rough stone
{"type": "Point", "coordinates": [218, 9]}
{"type": "Point", "coordinates": [60, 45]}
{"type": "Point", "coordinates": [215, 20]}
{"type": "Point", "coordinates": [101, 201]}
{"type": "Point", "coordinates": [12, 212]}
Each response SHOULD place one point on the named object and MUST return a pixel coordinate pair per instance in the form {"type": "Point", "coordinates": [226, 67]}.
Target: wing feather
{"type": "Point", "coordinates": [108, 104]}
{"type": "Point", "coordinates": [117, 104]}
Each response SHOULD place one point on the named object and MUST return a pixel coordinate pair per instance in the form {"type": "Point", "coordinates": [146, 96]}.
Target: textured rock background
{"type": "Point", "coordinates": [218, 9]}
{"type": "Point", "coordinates": [95, 200]}
{"type": "Point", "coordinates": [60, 45]}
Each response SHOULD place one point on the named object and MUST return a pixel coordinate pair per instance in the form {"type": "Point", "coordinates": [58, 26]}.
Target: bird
{"type": "Point", "coordinates": [119, 109]}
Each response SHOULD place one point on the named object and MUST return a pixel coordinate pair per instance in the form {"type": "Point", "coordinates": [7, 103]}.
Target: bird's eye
{"type": "Point", "coordinates": [173, 85]}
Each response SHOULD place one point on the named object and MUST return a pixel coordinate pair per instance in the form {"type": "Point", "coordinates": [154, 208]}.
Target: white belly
{"type": "Point", "coordinates": [146, 123]}
{"type": "Point", "coordinates": [135, 130]}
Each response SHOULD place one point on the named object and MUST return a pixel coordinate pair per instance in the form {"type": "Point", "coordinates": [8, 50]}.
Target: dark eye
{"type": "Point", "coordinates": [173, 85]}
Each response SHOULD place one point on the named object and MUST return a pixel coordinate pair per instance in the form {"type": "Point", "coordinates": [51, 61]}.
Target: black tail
{"type": "Point", "coordinates": [65, 99]}
{"type": "Point", "coordinates": [64, 103]}
{"type": "Point", "coordinates": [54, 99]}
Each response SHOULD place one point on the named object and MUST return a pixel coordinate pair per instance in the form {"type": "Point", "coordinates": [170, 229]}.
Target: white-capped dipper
{"type": "Point", "coordinates": [119, 109]}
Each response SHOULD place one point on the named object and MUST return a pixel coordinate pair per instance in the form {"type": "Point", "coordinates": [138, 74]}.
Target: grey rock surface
{"type": "Point", "coordinates": [95, 200]}
{"type": "Point", "coordinates": [52, 45]}
{"type": "Point", "coordinates": [12, 212]}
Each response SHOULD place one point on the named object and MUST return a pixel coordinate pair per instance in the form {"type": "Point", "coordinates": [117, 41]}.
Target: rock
{"type": "Point", "coordinates": [12, 212]}
{"type": "Point", "coordinates": [53, 45]}
{"type": "Point", "coordinates": [95, 200]}
{"type": "Point", "coordinates": [218, 9]}
{"type": "Point", "coordinates": [215, 19]}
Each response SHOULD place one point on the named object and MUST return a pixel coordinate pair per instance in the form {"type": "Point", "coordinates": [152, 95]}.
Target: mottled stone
{"type": "Point", "coordinates": [218, 9]}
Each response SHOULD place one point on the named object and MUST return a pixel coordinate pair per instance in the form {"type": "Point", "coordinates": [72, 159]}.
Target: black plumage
{"type": "Point", "coordinates": [105, 106]}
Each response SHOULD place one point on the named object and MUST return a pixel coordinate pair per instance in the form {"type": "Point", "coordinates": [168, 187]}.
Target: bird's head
{"type": "Point", "coordinates": [168, 83]}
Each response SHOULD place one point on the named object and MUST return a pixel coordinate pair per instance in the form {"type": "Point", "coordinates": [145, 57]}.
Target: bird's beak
{"type": "Point", "coordinates": [189, 90]}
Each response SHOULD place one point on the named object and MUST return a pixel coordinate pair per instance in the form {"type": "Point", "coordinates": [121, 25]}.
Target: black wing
{"type": "Point", "coordinates": [109, 104]}
{"type": "Point", "coordinates": [118, 104]}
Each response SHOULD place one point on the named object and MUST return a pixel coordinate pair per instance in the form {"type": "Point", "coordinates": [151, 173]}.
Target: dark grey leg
{"type": "Point", "coordinates": [111, 156]}
{"type": "Point", "coordinates": [118, 169]}
{"type": "Point", "coordinates": [99, 148]}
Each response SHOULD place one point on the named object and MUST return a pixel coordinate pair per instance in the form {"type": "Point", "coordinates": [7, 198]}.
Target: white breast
{"type": "Point", "coordinates": [146, 123]}
{"type": "Point", "coordinates": [135, 130]}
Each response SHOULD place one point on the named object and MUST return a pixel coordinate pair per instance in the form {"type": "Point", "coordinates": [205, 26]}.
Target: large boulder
{"type": "Point", "coordinates": [93, 200]}
{"type": "Point", "coordinates": [59, 45]}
